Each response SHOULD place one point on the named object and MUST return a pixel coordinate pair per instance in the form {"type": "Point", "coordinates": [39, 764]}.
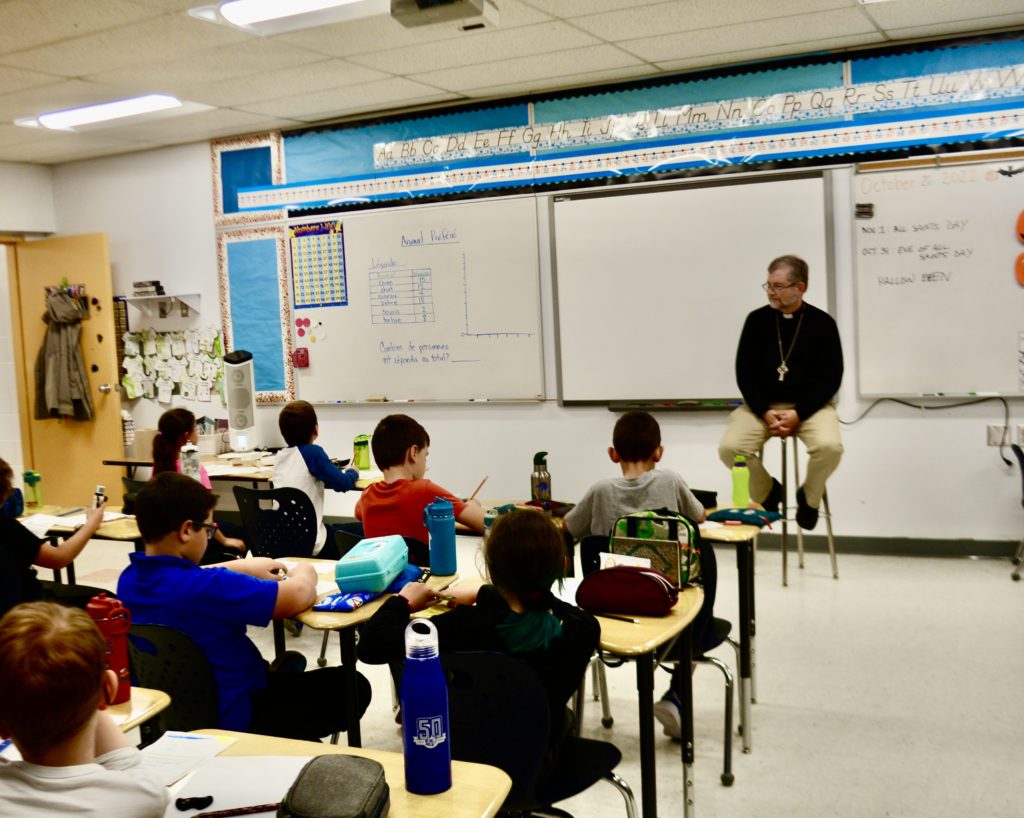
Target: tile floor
{"type": "Point", "coordinates": [897, 690]}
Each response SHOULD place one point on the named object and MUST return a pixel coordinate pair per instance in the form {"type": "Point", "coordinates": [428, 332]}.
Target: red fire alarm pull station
{"type": "Point", "coordinates": [300, 358]}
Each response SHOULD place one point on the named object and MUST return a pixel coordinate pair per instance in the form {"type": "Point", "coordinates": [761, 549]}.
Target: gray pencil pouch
{"type": "Point", "coordinates": [338, 786]}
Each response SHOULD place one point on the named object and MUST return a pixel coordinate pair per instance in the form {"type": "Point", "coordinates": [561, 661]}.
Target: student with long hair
{"type": "Point", "coordinates": [175, 428]}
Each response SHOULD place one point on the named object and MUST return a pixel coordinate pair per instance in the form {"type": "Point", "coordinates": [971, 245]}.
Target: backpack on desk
{"type": "Point", "coordinates": [671, 541]}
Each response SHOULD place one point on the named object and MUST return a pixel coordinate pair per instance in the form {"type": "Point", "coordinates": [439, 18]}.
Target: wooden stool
{"type": "Point", "coordinates": [824, 512]}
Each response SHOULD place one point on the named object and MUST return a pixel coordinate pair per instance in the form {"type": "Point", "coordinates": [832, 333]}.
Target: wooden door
{"type": "Point", "coordinates": [68, 453]}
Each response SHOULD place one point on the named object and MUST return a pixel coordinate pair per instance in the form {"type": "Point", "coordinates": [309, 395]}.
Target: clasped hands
{"type": "Point", "coordinates": [781, 422]}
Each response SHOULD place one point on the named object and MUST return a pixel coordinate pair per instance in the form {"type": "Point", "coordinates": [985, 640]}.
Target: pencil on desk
{"type": "Point", "coordinates": [477, 490]}
{"type": "Point", "coordinates": [618, 618]}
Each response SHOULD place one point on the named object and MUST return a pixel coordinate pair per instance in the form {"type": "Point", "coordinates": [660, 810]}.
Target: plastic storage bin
{"type": "Point", "coordinates": [371, 564]}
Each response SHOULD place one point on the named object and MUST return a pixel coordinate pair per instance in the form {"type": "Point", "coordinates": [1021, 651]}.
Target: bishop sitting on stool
{"type": "Point", "coordinates": [789, 365]}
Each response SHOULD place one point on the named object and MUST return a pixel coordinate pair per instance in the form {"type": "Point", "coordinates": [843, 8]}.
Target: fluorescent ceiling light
{"type": "Point", "coordinates": [112, 114]}
{"type": "Point", "coordinates": [276, 17]}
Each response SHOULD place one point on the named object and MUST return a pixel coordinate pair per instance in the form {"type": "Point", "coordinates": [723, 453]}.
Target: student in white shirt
{"type": "Point", "coordinates": [54, 685]}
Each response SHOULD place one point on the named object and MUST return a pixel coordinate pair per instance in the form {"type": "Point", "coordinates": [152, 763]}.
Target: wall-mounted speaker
{"type": "Point", "coordinates": [240, 390]}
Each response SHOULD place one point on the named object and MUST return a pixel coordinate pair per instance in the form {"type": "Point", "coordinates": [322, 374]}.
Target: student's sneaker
{"type": "Point", "coordinates": [293, 626]}
{"type": "Point", "coordinates": [666, 711]}
{"type": "Point", "coordinates": [291, 661]}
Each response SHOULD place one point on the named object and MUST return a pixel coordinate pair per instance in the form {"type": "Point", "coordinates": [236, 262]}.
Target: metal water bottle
{"type": "Point", "coordinates": [113, 620]}
{"type": "Point", "coordinates": [190, 461]}
{"type": "Point", "coordinates": [540, 480]}
{"type": "Point", "coordinates": [740, 482]}
{"type": "Point", "coordinates": [439, 517]}
{"type": "Point", "coordinates": [424, 698]}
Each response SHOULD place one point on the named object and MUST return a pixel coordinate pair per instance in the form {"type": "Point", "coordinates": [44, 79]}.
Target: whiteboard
{"type": "Point", "coordinates": [940, 299]}
{"type": "Point", "coordinates": [439, 302]}
{"type": "Point", "coordinates": [653, 286]}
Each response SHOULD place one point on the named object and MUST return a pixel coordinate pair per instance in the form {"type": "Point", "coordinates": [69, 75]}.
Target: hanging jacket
{"type": "Point", "coordinates": [62, 388]}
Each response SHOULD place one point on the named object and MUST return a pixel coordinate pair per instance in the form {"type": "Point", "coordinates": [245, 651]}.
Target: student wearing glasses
{"type": "Point", "coordinates": [214, 604]}
{"type": "Point", "coordinates": [789, 365]}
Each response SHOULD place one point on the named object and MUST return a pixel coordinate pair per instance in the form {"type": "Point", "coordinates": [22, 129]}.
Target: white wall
{"type": "Point", "coordinates": [10, 429]}
{"type": "Point", "coordinates": [905, 474]}
{"type": "Point", "coordinates": [26, 201]}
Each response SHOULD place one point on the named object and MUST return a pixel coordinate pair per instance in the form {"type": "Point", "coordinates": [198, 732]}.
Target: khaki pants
{"type": "Point", "coordinates": [747, 434]}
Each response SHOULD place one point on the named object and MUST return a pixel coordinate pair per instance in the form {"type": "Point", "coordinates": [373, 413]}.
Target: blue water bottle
{"type": "Point", "coordinates": [439, 518]}
{"type": "Point", "coordinates": [424, 698]}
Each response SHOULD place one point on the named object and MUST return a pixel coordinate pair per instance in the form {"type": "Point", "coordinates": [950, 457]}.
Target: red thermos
{"type": "Point", "coordinates": [113, 620]}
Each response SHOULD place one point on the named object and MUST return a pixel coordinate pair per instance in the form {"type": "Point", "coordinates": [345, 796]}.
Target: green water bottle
{"type": "Point", "coordinates": [740, 482]}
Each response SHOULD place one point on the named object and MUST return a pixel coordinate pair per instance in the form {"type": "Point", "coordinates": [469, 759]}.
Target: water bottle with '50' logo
{"type": "Point", "coordinates": [424, 698]}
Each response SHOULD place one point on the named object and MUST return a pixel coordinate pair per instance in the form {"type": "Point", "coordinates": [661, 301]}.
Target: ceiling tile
{"type": "Point", "coordinates": [478, 47]}
{"type": "Point", "coordinates": [329, 102]}
{"type": "Point", "coordinates": [693, 15]}
{"type": "Point", "coordinates": [757, 54]}
{"type": "Point", "coordinates": [577, 8]}
{"type": "Point", "coordinates": [30, 23]}
{"type": "Point", "coordinates": [799, 33]}
{"type": "Point", "coordinates": [54, 97]}
{"type": "Point", "coordinates": [967, 16]}
{"type": "Point", "coordinates": [15, 79]}
{"type": "Point", "coordinates": [189, 126]}
{"type": "Point", "coordinates": [952, 29]}
{"type": "Point", "coordinates": [155, 39]}
{"type": "Point", "coordinates": [230, 93]}
{"type": "Point", "coordinates": [68, 148]}
{"type": "Point", "coordinates": [225, 62]}
{"type": "Point", "coordinates": [540, 67]}
{"type": "Point", "coordinates": [568, 83]}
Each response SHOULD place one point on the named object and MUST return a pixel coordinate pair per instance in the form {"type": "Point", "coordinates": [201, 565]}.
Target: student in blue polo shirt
{"type": "Point", "coordinates": [214, 604]}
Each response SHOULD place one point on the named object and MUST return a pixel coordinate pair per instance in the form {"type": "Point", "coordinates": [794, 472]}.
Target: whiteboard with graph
{"type": "Point", "coordinates": [438, 302]}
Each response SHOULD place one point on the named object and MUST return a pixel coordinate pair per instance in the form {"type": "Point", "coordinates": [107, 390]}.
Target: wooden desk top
{"type": "Point", "coordinates": [730, 533]}
{"type": "Point", "coordinates": [478, 790]}
{"type": "Point", "coordinates": [240, 473]}
{"type": "Point", "coordinates": [628, 639]}
{"type": "Point", "coordinates": [141, 707]}
{"type": "Point", "coordinates": [125, 529]}
{"type": "Point", "coordinates": [337, 620]}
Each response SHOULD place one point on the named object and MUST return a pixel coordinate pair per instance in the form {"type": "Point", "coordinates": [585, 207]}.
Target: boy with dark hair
{"type": "Point", "coordinates": [306, 466]}
{"type": "Point", "coordinates": [213, 605]}
{"type": "Point", "coordinates": [395, 506]}
{"type": "Point", "coordinates": [636, 447]}
{"type": "Point", "coordinates": [54, 685]}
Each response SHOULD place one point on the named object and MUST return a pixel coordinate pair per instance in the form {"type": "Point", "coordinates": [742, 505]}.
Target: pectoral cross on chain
{"type": "Point", "coordinates": [782, 370]}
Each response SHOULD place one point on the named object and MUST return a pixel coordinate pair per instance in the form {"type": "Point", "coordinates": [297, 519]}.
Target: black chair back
{"type": "Point", "coordinates": [1019, 452]}
{"type": "Point", "coordinates": [166, 659]}
{"type": "Point", "coordinates": [278, 523]}
{"type": "Point", "coordinates": [498, 715]}
{"type": "Point", "coordinates": [131, 490]}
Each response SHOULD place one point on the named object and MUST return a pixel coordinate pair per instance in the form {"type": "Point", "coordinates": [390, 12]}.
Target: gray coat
{"type": "Point", "coordinates": [62, 388]}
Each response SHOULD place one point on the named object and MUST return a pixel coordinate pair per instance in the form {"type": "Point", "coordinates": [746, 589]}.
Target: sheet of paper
{"type": "Point", "coordinates": [175, 754]}
{"type": "Point", "coordinates": [39, 524]}
{"type": "Point", "coordinates": [79, 519]}
{"type": "Point", "coordinates": [567, 591]}
{"type": "Point", "coordinates": [709, 524]}
{"type": "Point", "coordinates": [240, 781]}
{"type": "Point", "coordinates": [606, 560]}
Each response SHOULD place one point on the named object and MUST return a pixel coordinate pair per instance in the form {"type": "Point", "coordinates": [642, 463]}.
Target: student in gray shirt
{"type": "Point", "coordinates": [636, 447]}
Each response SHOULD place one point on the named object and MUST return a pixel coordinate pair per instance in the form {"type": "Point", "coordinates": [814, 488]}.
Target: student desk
{"type": "Point", "coordinates": [477, 791]}
{"type": "Point", "coordinates": [345, 623]}
{"type": "Point", "coordinates": [643, 642]}
{"type": "Point", "coordinates": [259, 476]}
{"type": "Point", "coordinates": [123, 530]}
{"type": "Point", "coordinates": [141, 707]}
{"type": "Point", "coordinates": [743, 537]}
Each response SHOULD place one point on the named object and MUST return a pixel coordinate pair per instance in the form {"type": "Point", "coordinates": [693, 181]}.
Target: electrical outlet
{"type": "Point", "coordinates": [996, 433]}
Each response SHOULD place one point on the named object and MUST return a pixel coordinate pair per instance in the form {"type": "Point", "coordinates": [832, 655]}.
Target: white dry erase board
{"type": "Point", "coordinates": [653, 286]}
{"type": "Point", "coordinates": [940, 308]}
{"type": "Point", "coordinates": [442, 303]}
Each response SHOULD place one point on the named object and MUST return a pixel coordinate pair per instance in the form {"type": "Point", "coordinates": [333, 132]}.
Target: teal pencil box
{"type": "Point", "coordinates": [372, 564]}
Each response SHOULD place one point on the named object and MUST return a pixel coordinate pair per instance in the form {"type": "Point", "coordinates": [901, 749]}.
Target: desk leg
{"type": "Point", "coordinates": [686, 705]}
{"type": "Point", "coordinates": [347, 637]}
{"type": "Point", "coordinates": [278, 638]}
{"type": "Point", "coordinates": [645, 694]}
{"type": "Point", "coordinates": [745, 569]}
